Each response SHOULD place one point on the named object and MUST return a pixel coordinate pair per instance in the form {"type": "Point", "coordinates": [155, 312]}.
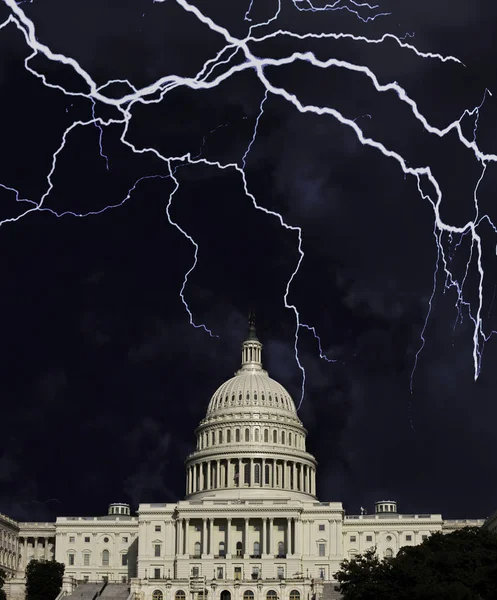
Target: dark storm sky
{"type": "Point", "coordinates": [102, 378]}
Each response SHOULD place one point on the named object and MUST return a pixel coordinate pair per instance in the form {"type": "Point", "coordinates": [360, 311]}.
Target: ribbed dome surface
{"type": "Point", "coordinates": [251, 388]}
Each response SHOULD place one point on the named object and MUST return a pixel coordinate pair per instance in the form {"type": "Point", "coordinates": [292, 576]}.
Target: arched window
{"type": "Point", "coordinates": [228, 436]}
{"type": "Point", "coordinates": [266, 435]}
{"type": "Point", "coordinates": [257, 549]}
{"type": "Point", "coordinates": [257, 473]}
{"type": "Point", "coordinates": [289, 439]}
{"type": "Point", "coordinates": [294, 595]}
{"type": "Point", "coordinates": [239, 549]}
{"type": "Point", "coordinates": [180, 595]}
{"type": "Point", "coordinates": [105, 558]}
{"type": "Point", "coordinates": [222, 549]}
{"type": "Point", "coordinates": [271, 595]}
{"type": "Point", "coordinates": [275, 436]}
{"type": "Point", "coordinates": [281, 548]}
{"type": "Point", "coordinates": [220, 436]}
{"type": "Point", "coordinates": [267, 475]}
{"type": "Point", "coordinates": [237, 435]}
{"type": "Point", "coordinates": [248, 595]}
{"type": "Point", "coordinates": [247, 435]}
{"type": "Point", "coordinates": [282, 437]}
{"type": "Point", "coordinates": [157, 595]}
{"type": "Point", "coordinates": [388, 553]}
{"type": "Point", "coordinates": [256, 435]}
{"type": "Point", "coordinates": [246, 477]}
{"type": "Point", "coordinates": [197, 550]}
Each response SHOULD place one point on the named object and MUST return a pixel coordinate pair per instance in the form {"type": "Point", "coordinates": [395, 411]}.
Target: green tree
{"type": "Point", "coordinates": [43, 579]}
{"type": "Point", "coordinates": [459, 566]}
{"type": "Point", "coordinates": [3, 595]}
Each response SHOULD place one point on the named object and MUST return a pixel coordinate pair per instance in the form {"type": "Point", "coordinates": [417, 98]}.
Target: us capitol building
{"type": "Point", "coordinates": [250, 526]}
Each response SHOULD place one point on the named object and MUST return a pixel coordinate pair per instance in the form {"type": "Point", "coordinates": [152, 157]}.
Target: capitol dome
{"type": "Point", "coordinates": [251, 437]}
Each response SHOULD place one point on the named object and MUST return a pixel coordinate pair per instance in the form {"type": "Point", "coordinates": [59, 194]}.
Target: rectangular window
{"type": "Point", "coordinates": [322, 549]}
{"type": "Point", "coordinates": [86, 560]}
{"type": "Point", "coordinates": [156, 549]}
{"type": "Point", "coordinates": [86, 578]}
{"type": "Point", "coordinates": [71, 559]}
{"type": "Point", "coordinates": [352, 538]}
{"type": "Point", "coordinates": [424, 537]}
{"type": "Point", "coordinates": [124, 560]}
{"type": "Point", "coordinates": [369, 538]}
{"type": "Point", "coordinates": [321, 527]}
{"type": "Point", "coordinates": [220, 573]}
{"type": "Point", "coordinates": [123, 578]}
{"type": "Point", "coordinates": [87, 540]}
{"type": "Point", "coordinates": [157, 573]}
{"type": "Point", "coordinates": [157, 528]}
{"type": "Point", "coordinates": [280, 572]}
{"type": "Point", "coordinates": [72, 539]}
{"type": "Point", "coordinates": [408, 538]}
{"type": "Point", "coordinates": [255, 572]}
{"type": "Point", "coordinates": [125, 540]}
{"type": "Point", "coordinates": [195, 571]}
{"type": "Point", "coordinates": [238, 573]}
{"type": "Point", "coordinates": [321, 573]}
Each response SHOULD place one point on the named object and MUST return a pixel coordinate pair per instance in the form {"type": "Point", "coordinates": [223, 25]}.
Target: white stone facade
{"type": "Point", "coordinates": [93, 548]}
{"type": "Point", "coordinates": [9, 546]}
{"type": "Point", "coordinates": [250, 526]}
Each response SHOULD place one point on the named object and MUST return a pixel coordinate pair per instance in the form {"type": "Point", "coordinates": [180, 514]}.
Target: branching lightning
{"type": "Point", "coordinates": [217, 70]}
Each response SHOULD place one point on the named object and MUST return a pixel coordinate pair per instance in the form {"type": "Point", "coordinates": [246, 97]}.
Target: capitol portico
{"type": "Point", "coordinates": [250, 526]}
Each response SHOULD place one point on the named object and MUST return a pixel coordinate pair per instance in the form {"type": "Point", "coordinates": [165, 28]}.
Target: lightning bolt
{"type": "Point", "coordinates": [218, 69]}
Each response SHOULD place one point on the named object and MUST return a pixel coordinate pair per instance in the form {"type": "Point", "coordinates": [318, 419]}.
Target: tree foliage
{"type": "Point", "coordinates": [3, 595]}
{"type": "Point", "coordinates": [43, 579]}
{"type": "Point", "coordinates": [459, 566]}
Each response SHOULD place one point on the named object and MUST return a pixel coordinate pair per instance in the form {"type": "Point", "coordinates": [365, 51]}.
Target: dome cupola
{"type": "Point", "coordinates": [251, 438]}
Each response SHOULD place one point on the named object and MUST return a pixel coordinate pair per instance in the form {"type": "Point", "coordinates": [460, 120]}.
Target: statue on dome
{"type": "Point", "coordinates": [252, 335]}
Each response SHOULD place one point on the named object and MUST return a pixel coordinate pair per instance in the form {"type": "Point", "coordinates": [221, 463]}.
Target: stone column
{"type": "Point", "coordinates": [241, 474]}
{"type": "Point", "coordinates": [25, 553]}
{"type": "Point", "coordinates": [228, 537]}
{"type": "Point", "coordinates": [218, 473]}
{"type": "Point", "coordinates": [45, 548]}
{"type": "Point", "coordinates": [35, 548]}
{"type": "Point", "coordinates": [302, 478]}
{"type": "Point", "coordinates": [204, 537]}
{"type": "Point", "coordinates": [331, 541]}
{"type": "Point", "coordinates": [209, 543]}
{"type": "Point", "coordinates": [187, 537]}
{"type": "Point", "coordinates": [273, 474]}
{"type": "Point", "coordinates": [263, 537]}
{"type": "Point", "coordinates": [297, 547]}
{"type": "Point", "coordinates": [209, 467]}
{"type": "Point", "coordinates": [202, 480]}
{"type": "Point", "coordinates": [294, 475]}
{"type": "Point", "coordinates": [246, 550]}
{"type": "Point", "coordinates": [271, 537]}
{"type": "Point", "coordinates": [288, 549]}
{"type": "Point", "coordinates": [263, 479]}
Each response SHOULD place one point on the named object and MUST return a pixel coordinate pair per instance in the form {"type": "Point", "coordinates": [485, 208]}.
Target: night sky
{"type": "Point", "coordinates": [103, 380]}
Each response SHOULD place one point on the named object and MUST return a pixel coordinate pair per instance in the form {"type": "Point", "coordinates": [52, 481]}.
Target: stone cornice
{"type": "Point", "coordinates": [96, 524]}
{"type": "Point", "coordinates": [244, 451]}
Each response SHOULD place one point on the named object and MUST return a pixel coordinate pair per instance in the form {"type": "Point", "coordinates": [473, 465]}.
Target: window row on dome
{"type": "Point", "coordinates": [236, 435]}
{"type": "Point", "coordinates": [254, 398]}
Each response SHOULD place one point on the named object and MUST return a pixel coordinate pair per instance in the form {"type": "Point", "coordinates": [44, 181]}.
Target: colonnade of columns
{"type": "Point", "coordinates": [9, 551]}
{"type": "Point", "coordinates": [266, 537]}
{"type": "Point", "coordinates": [36, 548]}
{"type": "Point", "coordinates": [250, 472]}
